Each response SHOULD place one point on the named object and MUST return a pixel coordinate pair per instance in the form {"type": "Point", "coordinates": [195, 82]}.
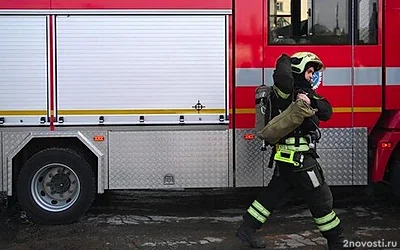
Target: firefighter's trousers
{"type": "Point", "coordinates": [310, 184]}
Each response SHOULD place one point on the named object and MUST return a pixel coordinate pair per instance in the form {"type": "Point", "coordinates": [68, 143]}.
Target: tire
{"type": "Point", "coordinates": [395, 180]}
{"type": "Point", "coordinates": [56, 186]}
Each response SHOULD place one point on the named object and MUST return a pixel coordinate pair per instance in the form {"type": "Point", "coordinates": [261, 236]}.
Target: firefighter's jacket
{"type": "Point", "coordinates": [286, 88]}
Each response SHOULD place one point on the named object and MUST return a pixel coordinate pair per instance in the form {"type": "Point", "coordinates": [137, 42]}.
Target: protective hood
{"type": "Point", "coordinates": [300, 81]}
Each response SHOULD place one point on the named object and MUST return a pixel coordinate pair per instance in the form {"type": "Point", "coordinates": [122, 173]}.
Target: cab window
{"type": "Point", "coordinates": [309, 22]}
{"type": "Point", "coordinates": [322, 22]}
{"type": "Point", "coordinates": [367, 22]}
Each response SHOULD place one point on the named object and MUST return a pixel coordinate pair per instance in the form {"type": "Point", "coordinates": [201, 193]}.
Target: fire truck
{"type": "Point", "coordinates": [110, 95]}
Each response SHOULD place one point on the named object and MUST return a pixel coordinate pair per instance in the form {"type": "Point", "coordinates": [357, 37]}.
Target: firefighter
{"type": "Point", "coordinates": [296, 167]}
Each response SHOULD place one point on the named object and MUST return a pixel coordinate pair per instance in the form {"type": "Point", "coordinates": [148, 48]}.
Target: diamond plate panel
{"type": "Point", "coordinates": [337, 165]}
{"type": "Point", "coordinates": [231, 144]}
{"type": "Point", "coordinates": [102, 147]}
{"type": "Point", "coordinates": [194, 158]}
{"type": "Point", "coordinates": [360, 156]}
{"type": "Point", "coordinates": [337, 138]}
{"type": "Point", "coordinates": [11, 140]}
{"type": "Point", "coordinates": [335, 150]}
{"type": "Point", "coordinates": [249, 161]}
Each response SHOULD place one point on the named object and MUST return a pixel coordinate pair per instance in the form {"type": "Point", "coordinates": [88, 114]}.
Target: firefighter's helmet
{"type": "Point", "coordinates": [299, 61]}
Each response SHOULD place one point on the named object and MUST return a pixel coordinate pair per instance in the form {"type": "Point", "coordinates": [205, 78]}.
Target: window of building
{"type": "Point", "coordinates": [310, 22]}
{"type": "Point", "coordinates": [279, 6]}
{"type": "Point", "coordinates": [367, 22]}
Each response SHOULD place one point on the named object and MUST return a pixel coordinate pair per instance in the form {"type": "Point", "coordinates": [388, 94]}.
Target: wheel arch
{"type": "Point", "coordinates": [36, 142]}
{"type": "Point", "coordinates": [56, 186]}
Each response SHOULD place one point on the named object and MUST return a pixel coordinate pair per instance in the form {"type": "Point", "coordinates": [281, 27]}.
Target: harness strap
{"type": "Point", "coordinates": [296, 138]}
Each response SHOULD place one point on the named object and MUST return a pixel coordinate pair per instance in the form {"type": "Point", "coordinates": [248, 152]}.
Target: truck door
{"type": "Point", "coordinates": [323, 27]}
{"type": "Point", "coordinates": [367, 80]}
{"type": "Point", "coordinates": [132, 69]}
{"type": "Point", "coordinates": [392, 64]}
{"type": "Point", "coordinates": [23, 70]}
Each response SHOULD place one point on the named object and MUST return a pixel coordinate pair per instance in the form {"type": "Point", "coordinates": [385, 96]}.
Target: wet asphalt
{"type": "Point", "coordinates": [205, 219]}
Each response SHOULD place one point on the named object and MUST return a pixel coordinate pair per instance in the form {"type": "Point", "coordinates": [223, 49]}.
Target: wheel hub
{"type": "Point", "coordinates": [60, 183]}
{"type": "Point", "coordinates": [55, 187]}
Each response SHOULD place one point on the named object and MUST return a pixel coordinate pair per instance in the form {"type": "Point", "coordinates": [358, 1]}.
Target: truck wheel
{"type": "Point", "coordinates": [395, 180]}
{"type": "Point", "coordinates": [56, 186]}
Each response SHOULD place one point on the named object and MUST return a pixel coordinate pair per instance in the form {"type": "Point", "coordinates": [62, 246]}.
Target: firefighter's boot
{"type": "Point", "coordinates": [335, 238]}
{"type": "Point", "coordinates": [336, 244]}
{"type": "Point", "coordinates": [249, 236]}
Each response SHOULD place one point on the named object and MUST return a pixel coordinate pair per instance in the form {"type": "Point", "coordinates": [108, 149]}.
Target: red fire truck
{"type": "Point", "coordinates": [107, 95]}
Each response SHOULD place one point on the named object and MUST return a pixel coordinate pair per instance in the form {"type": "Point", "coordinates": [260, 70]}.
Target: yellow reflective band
{"type": "Point", "coordinates": [260, 208]}
{"type": "Point", "coordinates": [22, 112]}
{"type": "Point", "coordinates": [248, 111]}
{"type": "Point", "coordinates": [357, 109]}
{"type": "Point", "coordinates": [138, 111]}
{"type": "Point", "coordinates": [292, 140]}
{"type": "Point", "coordinates": [300, 148]}
{"type": "Point", "coordinates": [330, 225]}
{"type": "Point", "coordinates": [280, 93]}
{"type": "Point", "coordinates": [325, 219]}
{"type": "Point", "coordinates": [256, 215]}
